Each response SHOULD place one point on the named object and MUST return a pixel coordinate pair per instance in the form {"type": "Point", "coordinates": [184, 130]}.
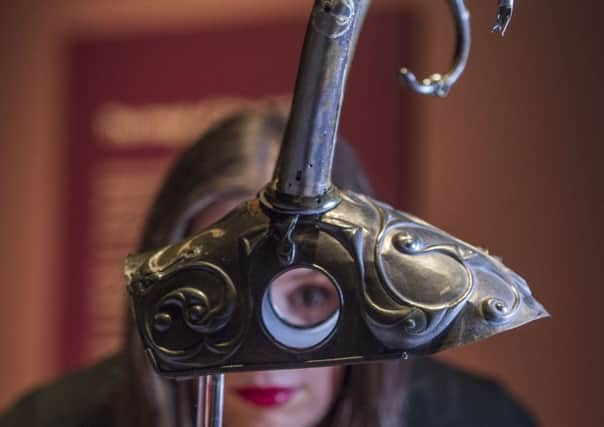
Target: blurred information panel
{"type": "Point", "coordinates": [137, 101]}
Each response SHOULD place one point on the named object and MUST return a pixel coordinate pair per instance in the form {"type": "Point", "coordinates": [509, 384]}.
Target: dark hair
{"type": "Point", "coordinates": [232, 156]}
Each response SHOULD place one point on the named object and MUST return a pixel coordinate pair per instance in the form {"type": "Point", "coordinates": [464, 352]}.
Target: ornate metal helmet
{"type": "Point", "coordinates": [215, 302]}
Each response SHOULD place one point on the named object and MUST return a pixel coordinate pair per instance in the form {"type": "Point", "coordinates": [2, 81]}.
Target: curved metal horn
{"type": "Point", "coordinates": [440, 84]}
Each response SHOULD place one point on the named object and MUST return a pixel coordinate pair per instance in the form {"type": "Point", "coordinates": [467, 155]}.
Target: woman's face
{"type": "Point", "coordinates": [295, 397]}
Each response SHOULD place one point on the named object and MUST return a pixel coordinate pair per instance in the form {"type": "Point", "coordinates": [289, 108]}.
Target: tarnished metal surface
{"type": "Point", "coordinates": [404, 286]}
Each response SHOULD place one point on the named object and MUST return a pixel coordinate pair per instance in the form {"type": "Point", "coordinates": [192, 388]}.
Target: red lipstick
{"type": "Point", "coordinates": [266, 396]}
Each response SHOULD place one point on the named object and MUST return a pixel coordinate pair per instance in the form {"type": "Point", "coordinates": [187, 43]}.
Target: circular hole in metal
{"type": "Point", "coordinates": [301, 307]}
{"type": "Point", "coordinates": [304, 297]}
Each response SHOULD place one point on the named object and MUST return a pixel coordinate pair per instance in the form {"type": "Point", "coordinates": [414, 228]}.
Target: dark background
{"type": "Point", "coordinates": [510, 161]}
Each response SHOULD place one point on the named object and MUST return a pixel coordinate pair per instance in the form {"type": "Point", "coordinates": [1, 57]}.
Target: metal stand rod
{"type": "Point", "coordinates": [199, 415]}
{"type": "Point", "coordinates": [210, 397]}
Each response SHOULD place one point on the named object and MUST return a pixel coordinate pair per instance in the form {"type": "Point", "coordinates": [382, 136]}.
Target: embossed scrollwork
{"type": "Point", "coordinates": [497, 310]}
{"type": "Point", "coordinates": [415, 322]}
{"type": "Point", "coordinates": [195, 309]}
{"type": "Point", "coordinates": [188, 318]}
{"type": "Point", "coordinates": [503, 302]}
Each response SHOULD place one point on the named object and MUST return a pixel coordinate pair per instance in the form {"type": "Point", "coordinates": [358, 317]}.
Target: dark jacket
{"type": "Point", "coordinates": [439, 396]}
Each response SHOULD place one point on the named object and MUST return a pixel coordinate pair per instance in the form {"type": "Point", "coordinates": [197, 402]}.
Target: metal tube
{"type": "Point", "coordinates": [210, 398]}
{"type": "Point", "coordinates": [214, 398]}
{"type": "Point", "coordinates": [199, 414]}
{"type": "Point", "coordinates": [304, 166]}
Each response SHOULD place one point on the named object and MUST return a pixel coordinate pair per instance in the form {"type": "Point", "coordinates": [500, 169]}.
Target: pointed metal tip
{"type": "Point", "coordinates": [498, 29]}
{"type": "Point", "coordinates": [504, 16]}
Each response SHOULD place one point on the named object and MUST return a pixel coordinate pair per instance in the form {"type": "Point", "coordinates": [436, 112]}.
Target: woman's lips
{"type": "Point", "coordinates": [266, 396]}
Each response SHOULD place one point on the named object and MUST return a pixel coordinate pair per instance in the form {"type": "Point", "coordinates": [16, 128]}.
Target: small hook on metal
{"type": "Point", "coordinates": [440, 84]}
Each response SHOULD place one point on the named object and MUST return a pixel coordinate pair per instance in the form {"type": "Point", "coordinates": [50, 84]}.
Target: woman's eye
{"type": "Point", "coordinates": [310, 304]}
{"type": "Point", "coordinates": [308, 296]}
{"type": "Point", "coordinates": [304, 297]}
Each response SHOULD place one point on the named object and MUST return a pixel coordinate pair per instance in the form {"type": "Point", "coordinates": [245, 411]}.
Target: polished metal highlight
{"type": "Point", "coordinates": [404, 286]}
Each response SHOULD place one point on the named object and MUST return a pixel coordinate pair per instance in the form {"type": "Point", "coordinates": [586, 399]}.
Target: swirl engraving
{"type": "Point", "coordinates": [196, 313]}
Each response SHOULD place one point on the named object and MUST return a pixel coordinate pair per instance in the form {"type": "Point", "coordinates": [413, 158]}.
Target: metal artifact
{"type": "Point", "coordinates": [205, 306]}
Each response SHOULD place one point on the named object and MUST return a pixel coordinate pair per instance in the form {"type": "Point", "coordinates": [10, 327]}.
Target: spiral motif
{"type": "Point", "coordinates": [195, 314]}
{"type": "Point", "coordinates": [496, 310]}
{"type": "Point", "coordinates": [415, 322]}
